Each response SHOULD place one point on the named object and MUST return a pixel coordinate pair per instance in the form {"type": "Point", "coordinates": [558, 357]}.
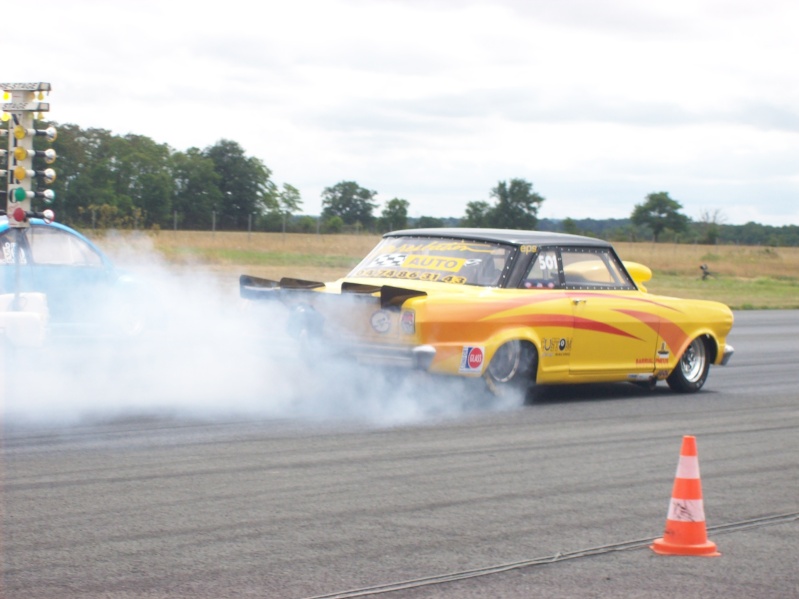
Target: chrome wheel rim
{"type": "Point", "coordinates": [505, 363]}
{"type": "Point", "coordinates": [692, 362]}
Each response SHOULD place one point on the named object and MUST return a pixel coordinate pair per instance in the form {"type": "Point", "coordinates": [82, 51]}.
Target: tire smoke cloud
{"type": "Point", "coordinates": [207, 354]}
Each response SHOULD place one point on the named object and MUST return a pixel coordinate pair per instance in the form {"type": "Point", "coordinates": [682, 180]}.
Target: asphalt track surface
{"type": "Point", "coordinates": [559, 499]}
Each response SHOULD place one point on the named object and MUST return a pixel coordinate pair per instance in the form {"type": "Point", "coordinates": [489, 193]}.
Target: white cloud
{"type": "Point", "coordinates": [597, 104]}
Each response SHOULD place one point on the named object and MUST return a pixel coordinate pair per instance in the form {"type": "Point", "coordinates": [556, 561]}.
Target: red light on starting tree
{"type": "Point", "coordinates": [19, 215]}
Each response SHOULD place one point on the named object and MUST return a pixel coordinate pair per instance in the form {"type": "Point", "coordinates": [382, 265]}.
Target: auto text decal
{"type": "Point", "coordinates": [397, 265]}
{"type": "Point", "coordinates": [416, 261]}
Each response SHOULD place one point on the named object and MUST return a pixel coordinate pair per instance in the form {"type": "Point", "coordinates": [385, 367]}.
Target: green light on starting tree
{"type": "Point", "coordinates": [19, 194]}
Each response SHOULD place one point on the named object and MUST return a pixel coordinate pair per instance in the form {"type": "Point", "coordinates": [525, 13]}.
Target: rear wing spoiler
{"type": "Point", "coordinates": [256, 288]}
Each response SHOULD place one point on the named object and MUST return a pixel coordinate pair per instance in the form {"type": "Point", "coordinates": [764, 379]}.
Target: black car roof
{"type": "Point", "coordinates": [512, 236]}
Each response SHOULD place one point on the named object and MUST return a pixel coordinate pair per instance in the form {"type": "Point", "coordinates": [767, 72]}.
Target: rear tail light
{"type": "Point", "coordinates": [408, 322]}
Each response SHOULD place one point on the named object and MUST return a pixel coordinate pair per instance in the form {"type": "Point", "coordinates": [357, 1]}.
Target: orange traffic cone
{"type": "Point", "coordinates": [685, 532]}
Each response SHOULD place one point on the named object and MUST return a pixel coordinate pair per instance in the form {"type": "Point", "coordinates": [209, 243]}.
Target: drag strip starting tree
{"type": "Point", "coordinates": [26, 170]}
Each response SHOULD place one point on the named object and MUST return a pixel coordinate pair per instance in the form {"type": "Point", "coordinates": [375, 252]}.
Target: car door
{"type": "Point", "coordinates": [70, 271]}
{"type": "Point", "coordinates": [614, 331]}
{"type": "Point", "coordinates": [549, 312]}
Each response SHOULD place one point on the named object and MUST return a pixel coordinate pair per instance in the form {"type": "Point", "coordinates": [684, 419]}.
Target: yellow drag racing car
{"type": "Point", "coordinates": [518, 308]}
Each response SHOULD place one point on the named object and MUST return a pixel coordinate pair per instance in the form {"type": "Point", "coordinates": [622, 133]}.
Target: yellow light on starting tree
{"type": "Point", "coordinates": [48, 175]}
{"type": "Point", "coordinates": [21, 153]}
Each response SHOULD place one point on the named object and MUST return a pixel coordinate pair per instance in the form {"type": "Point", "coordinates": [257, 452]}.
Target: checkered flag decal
{"type": "Point", "coordinates": [388, 260]}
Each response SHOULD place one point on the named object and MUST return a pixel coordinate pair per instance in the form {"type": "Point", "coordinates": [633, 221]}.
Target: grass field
{"type": "Point", "coordinates": [743, 277]}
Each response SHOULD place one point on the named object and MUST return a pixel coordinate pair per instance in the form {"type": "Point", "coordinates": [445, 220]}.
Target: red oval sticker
{"type": "Point", "coordinates": [475, 357]}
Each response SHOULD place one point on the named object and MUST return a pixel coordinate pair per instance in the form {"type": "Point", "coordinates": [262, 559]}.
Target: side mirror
{"type": "Point", "coordinates": [640, 273]}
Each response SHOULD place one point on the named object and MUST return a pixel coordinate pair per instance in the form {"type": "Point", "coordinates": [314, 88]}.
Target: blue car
{"type": "Point", "coordinates": [85, 292]}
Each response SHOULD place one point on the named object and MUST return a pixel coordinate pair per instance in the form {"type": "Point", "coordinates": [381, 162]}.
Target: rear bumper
{"type": "Point", "coordinates": [419, 357]}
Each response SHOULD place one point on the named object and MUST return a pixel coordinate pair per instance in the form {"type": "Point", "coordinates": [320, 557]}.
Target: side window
{"type": "Point", "coordinates": [484, 269]}
{"type": "Point", "coordinates": [592, 268]}
{"type": "Point", "coordinates": [543, 273]}
{"type": "Point", "coordinates": [56, 247]}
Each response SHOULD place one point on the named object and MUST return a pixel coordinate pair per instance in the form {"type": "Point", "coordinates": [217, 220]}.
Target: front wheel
{"type": "Point", "coordinates": [691, 372]}
{"type": "Point", "coordinates": [512, 370]}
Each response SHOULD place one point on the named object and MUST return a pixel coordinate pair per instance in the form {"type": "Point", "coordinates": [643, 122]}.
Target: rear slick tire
{"type": "Point", "coordinates": [691, 372]}
{"type": "Point", "coordinates": [511, 372]}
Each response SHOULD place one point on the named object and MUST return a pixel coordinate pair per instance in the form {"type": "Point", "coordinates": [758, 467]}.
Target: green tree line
{"type": "Point", "coordinates": [130, 181]}
{"type": "Point", "coordinates": [659, 218]}
{"type": "Point", "coordinates": [108, 180]}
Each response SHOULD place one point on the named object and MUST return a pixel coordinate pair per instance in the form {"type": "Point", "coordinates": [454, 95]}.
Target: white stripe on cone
{"type": "Point", "coordinates": [688, 467]}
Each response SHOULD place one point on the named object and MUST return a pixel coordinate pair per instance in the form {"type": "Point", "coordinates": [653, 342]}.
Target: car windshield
{"type": "Point", "coordinates": [436, 260]}
{"type": "Point", "coordinates": [47, 245]}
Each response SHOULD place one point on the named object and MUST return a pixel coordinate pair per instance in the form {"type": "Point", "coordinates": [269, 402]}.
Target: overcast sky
{"type": "Point", "coordinates": [596, 102]}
